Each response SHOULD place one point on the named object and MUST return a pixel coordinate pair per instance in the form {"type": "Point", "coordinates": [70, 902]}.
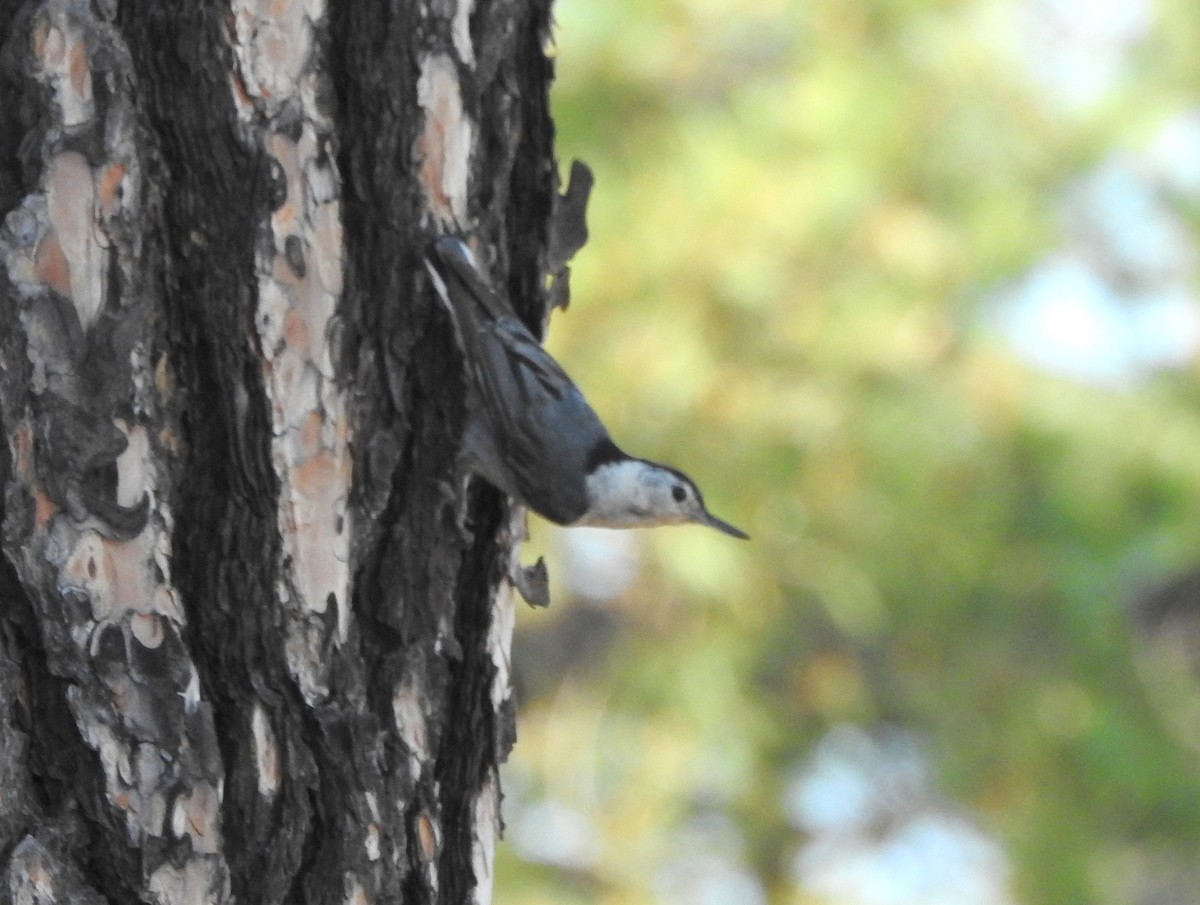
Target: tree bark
{"type": "Point", "coordinates": [254, 625]}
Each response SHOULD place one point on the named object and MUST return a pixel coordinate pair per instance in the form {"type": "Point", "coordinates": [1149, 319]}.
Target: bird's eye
{"type": "Point", "coordinates": [678, 493]}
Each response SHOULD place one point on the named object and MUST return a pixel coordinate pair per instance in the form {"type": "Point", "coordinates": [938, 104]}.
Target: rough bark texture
{"type": "Point", "coordinates": [254, 626]}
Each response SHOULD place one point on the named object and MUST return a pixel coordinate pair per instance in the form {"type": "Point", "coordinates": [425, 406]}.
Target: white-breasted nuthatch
{"type": "Point", "coordinates": [529, 430]}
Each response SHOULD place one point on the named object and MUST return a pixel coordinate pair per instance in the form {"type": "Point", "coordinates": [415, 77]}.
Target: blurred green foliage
{"type": "Point", "coordinates": [802, 212]}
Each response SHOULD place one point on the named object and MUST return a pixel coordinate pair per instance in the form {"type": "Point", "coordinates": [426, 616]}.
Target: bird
{"type": "Point", "coordinates": [529, 430]}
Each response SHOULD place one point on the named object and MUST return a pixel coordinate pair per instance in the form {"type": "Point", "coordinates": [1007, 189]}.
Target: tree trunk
{"type": "Point", "coordinates": [254, 626]}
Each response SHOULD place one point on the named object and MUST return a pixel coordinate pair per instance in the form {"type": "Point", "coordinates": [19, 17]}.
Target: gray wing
{"type": "Point", "coordinates": [542, 426]}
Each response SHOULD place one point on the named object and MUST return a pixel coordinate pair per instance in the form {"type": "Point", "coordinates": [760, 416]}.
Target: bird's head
{"type": "Point", "coordinates": [633, 493]}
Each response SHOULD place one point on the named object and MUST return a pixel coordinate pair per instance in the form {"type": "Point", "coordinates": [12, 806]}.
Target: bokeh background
{"type": "Point", "coordinates": [910, 288]}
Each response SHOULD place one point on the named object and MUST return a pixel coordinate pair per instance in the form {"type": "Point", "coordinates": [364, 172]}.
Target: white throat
{"type": "Point", "coordinates": [620, 495]}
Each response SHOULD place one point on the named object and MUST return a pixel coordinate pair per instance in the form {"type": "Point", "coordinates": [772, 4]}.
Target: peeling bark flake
{"type": "Point", "coordinates": [355, 893]}
{"type": "Point", "coordinates": [38, 875]}
{"type": "Point", "coordinates": [300, 267]}
{"type": "Point", "coordinates": [408, 710]}
{"type": "Point", "coordinates": [444, 145]}
{"type": "Point", "coordinates": [483, 843]}
{"type": "Point", "coordinates": [61, 54]}
{"type": "Point", "coordinates": [70, 191]}
{"type": "Point", "coordinates": [461, 31]}
{"type": "Point", "coordinates": [266, 753]}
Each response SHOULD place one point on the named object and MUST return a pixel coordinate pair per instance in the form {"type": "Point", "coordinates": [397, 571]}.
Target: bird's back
{"type": "Point", "coordinates": [538, 434]}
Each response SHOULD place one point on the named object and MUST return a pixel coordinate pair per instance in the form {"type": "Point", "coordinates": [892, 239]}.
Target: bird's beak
{"type": "Point", "coordinates": [724, 527]}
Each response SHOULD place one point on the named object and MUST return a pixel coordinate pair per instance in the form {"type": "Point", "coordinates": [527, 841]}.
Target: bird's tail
{"type": "Point", "coordinates": [461, 285]}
